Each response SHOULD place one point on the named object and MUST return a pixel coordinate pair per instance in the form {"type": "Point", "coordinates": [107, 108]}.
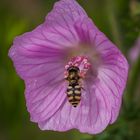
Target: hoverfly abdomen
{"type": "Point", "coordinates": [74, 88]}
{"type": "Point", "coordinates": [74, 95]}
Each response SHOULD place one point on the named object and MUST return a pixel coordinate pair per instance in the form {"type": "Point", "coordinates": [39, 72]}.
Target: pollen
{"type": "Point", "coordinates": [81, 62]}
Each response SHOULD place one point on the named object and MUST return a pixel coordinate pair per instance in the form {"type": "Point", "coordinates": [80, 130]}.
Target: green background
{"type": "Point", "coordinates": [118, 19]}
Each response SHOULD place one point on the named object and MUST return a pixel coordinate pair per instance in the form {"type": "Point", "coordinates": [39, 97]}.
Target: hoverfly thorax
{"type": "Point", "coordinates": [73, 75]}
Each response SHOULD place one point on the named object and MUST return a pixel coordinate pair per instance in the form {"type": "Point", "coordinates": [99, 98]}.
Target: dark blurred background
{"type": "Point", "coordinates": [118, 19]}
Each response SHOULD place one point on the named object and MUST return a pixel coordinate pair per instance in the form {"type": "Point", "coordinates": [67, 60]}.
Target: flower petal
{"type": "Point", "coordinates": [61, 20]}
{"type": "Point", "coordinates": [65, 12]}
{"type": "Point", "coordinates": [44, 101]}
{"type": "Point", "coordinates": [86, 30]}
{"type": "Point", "coordinates": [92, 115]}
{"type": "Point", "coordinates": [41, 65]}
{"type": "Point", "coordinates": [112, 73]}
{"type": "Point", "coordinates": [111, 66]}
{"type": "Point", "coordinates": [134, 52]}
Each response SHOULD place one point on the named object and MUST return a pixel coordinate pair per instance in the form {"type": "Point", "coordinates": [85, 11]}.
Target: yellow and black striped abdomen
{"type": "Point", "coordinates": [74, 94]}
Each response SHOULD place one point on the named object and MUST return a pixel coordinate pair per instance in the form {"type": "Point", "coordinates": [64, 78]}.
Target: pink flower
{"type": "Point", "coordinates": [68, 37]}
{"type": "Point", "coordinates": [134, 52]}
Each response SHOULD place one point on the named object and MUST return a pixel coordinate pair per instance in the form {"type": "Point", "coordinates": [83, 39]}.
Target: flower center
{"type": "Point", "coordinates": [80, 62]}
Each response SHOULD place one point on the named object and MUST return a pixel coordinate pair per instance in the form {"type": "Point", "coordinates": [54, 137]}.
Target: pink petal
{"type": "Point", "coordinates": [113, 70]}
{"type": "Point", "coordinates": [42, 67]}
{"type": "Point", "coordinates": [91, 116]}
{"type": "Point", "coordinates": [134, 52]}
{"type": "Point", "coordinates": [62, 18]}
{"type": "Point", "coordinates": [112, 73]}
{"type": "Point", "coordinates": [86, 29]}
{"type": "Point", "coordinates": [43, 102]}
{"type": "Point", "coordinates": [65, 13]}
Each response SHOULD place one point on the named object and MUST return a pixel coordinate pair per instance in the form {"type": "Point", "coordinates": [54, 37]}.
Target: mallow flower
{"type": "Point", "coordinates": [134, 52]}
{"type": "Point", "coordinates": [68, 37]}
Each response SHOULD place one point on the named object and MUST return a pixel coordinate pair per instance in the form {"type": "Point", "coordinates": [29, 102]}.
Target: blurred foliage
{"type": "Point", "coordinates": [118, 19]}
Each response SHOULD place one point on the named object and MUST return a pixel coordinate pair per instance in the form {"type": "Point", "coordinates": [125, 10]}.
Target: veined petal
{"type": "Point", "coordinates": [65, 12]}
{"type": "Point", "coordinates": [109, 64]}
{"type": "Point", "coordinates": [44, 101]}
{"type": "Point", "coordinates": [112, 73]}
{"type": "Point", "coordinates": [86, 29]}
{"type": "Point", "coordinates": [62, 18]}
{"type": "Point", "coordinates": [91, 116]}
